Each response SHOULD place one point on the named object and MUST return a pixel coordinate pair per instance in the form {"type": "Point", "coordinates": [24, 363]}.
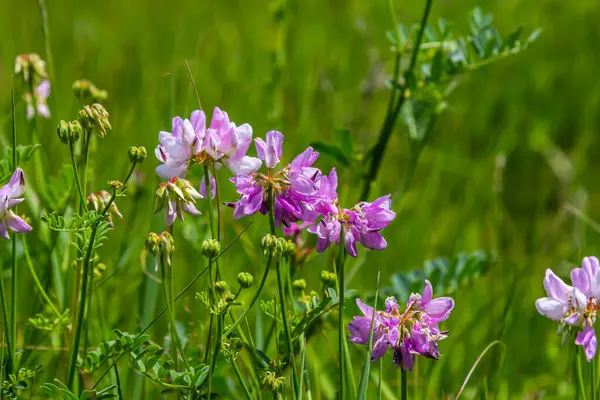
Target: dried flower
{"type": "Point", "coordinates": [95, 118]}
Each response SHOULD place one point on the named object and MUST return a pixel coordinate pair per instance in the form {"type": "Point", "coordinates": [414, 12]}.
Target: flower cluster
{"type": "Point", "coordinates": [574, 307]}
{"type": "Point", "coordinates": [294, 188]}
{"type": "Point", "coordinates": [32, 69]}
{"type": "Point", "coordinates": [177, 195]}
{"type": "Point", "coordinates": [10, 196]}
{"type": "Point", "coordinates": [191, 142]}
{"type": "Point", "coordinates": [99, 201]}
{"type": "Point", "coordinates": [414, 331]}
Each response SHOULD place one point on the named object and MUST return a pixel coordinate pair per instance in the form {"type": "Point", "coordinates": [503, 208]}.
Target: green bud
{"type": "Point", "coordinates": [221, 287]}
{"type": "Point", "coordinates": [75, 130]}
{"type": "Point", "coordinates": [299, 285]}
{"type": "Point", "coordinates": [152, 243]}
{"type": "Point", "coordinates": [141, 154]}
{"type": "Point", "coordinates": [245, 280]}
{"type": "Point", "coordinates": [132, 153]}
{"type": "Point", "coordinates": [63, 132]}
{"type": "Point", "coordinates": [168, 243]}
{"type": "Point", "coordinates": [289, 248]}
{"type": "Point", "coordinates": [211, 248]}
{"type": "Point", "coordinates": [328, 278]}
{"type": "Point", "coordinates": [115, 185]}
{"type": "Point", "coordinates": [268, 242]}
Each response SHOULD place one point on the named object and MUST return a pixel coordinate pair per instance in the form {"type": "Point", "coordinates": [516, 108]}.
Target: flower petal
{"type": "Point", "coordinates": [551, 308]}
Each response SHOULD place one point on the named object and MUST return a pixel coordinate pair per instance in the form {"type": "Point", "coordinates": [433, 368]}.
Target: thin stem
{"type": "Point", "coordinates": [390, 119]}
{"type": "Point", "coordinates": [13, 317]}
{"type": "Point", "coordinates": [404, 385]}
{"type": "Point", "coordinates": [218, 203]}
{"type": "Point", "coordinates": [185, 289]}
{"type": "Point", "coordinates": [593, 379]}
{"type": "Point", "coordinates": [380, 391]}
{"type": "Point", "coordinates": [213, 364]}
{"type": "Point", "coordinates": [48, 49]}
{"type": "Point", "coordinates": [286, 327]}
{"type": "Point", "coordinates": [83, 206]}
{"type": "Point", "coordinates": [118, 380]}
{"type": "Point", "coordinates": [341, 335]}
{"type": "Point", "coordinates": [166, 282]}
{"type": "Point", "coordinates": [271, 209]}
{"type": "Point", "coordinates": [6, 325]}
{"type": "Point", "coordinates": [241, 380]}
{"type": "Point", "coordinates": [84, 286]}
{"type": "Point", "coordinates": [580, 375]}
{"type": "Point", "coordinates": [37, 282]}
{"type": "Point", "coordinates": [87, 138]}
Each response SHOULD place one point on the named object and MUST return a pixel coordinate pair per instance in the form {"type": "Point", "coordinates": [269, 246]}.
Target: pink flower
{"type": "Point", "coordinates": [10, 196]}
{"type": "Point", "coordinates": [39, 102]}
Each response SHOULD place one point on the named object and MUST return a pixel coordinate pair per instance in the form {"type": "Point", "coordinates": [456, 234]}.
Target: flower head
{"type": "Point", "coordinates": [574, 306]}
{"type": "Point", "coordinates": [413, 332]}
{"type": "Point", "coordinates": [10, 196]}
{"type": "Point", "coordinates": [177, 195]}
{"type": "Point", "coordinates": [191, 142]}
{"type": "Point", "coordinates": [95, 118]}
{"type": "Point", "coordinates": [38, 103]}
{"type": "Point", "coordinates": [294, 187]}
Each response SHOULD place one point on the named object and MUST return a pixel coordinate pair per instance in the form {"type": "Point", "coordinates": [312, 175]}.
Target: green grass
{"type": "Point", "coordinates": [320, 68]}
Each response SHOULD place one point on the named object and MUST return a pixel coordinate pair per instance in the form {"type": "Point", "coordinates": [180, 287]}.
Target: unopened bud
{"type": "Point", "coordinates": [95, 117]}
{"type": "Point", "coordinates": [63, 132]}
{"type": "Point", "coordinates": [132, 153]}
{"type": "Point", "coordinates": [74, 131]}
{"type": "Point", "coordinates": [141, 154]}
{"type": "Point", "coordinates": [152, 243]}
{"type": "Point", "coordinates": [211, 248]}
{"type": "Point", "coordinates": [328, 278]}
{"type": "Point", "coordinates": [245, 280]}
{"type": "Point", "coordinates": [221, 287]}
{"type": "Point", "coordinates": [299, 285]}
{"type": "Point", "coordinates": [268, 243]}
{"type": "Point", "coordinates": [289, 248]}
{"type": "Point", "coordinates": [115, 185]}
{"type": "Point", "coordinates": [168, 243]}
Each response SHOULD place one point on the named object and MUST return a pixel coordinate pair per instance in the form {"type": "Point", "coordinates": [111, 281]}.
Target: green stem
{"type": "Point", "coordinates": [286, 327]}
{"type": "Point", "coordinates": [87, 138]}
{"type": "Point", "coordinates": [84, 287]}
{"type": "Point", "coordinates": [341, 331]}
{"type": "Point", "coordinates": [390, 119]}
{"type": "Point", "coordinates": [13, 316]}
{"type": "Point", "coordinates": [593, 379]}
{"type": "Point", "coordinates": [218, 207]}
{"type": "Point", "coordinates": [218, 341]}
{"type": "Point", "coordinates": [6, 325]}
{"type": "Point", "coordinates": [404, 385]}
{"type": "Point", "coordinates": [241, 380]}
{"type": "Point", "coordinates": [118, 380]}
{"type": "Point", "coordinates": [185, 289]}
{"type": "Point", "coordinates": [83, 206]}
{"type": "Point", "coordinates": [37, 282]}
{"type": "Point", "coordinates": [580, 375]}
{"type": "Point", "coordinates": [47, 47]}
{"type": "Point", "coordinates": [166, 283]}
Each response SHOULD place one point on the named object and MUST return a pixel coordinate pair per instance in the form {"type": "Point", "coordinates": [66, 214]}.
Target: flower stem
{"type": "Point", "coordinates": [593, 379]}
{"type": "Point", "coordinates": [77, 181]}
{"type": "Point", "coordinates": [404, 385]}
{"type": "Point", "coordinates": [39, 285]}
{"type": "Point", "coordinates": [218, 341]}
{"type": "Point", "coordinates": [286, 327]}
{"type": "Point", "coordinates": [580, 375]}
{"type": "Point", "coordinates": [341, 331]}
{"type": "Point", "coordinates": [167, 278]}
{"type": "Point", "coordinates": [241, 380]}
{"type": "Point", "coordinates": [13, 317]}
{"type": "Point", "coordinates": [84, 287]}
{"type": "Point", "coordinates": [393, 112]}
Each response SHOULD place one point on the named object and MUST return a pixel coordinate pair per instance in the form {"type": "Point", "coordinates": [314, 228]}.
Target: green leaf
{"type": "Point", "coordinates": [363, 384]}
{"type": "Point", "coordinates": [343, 137]}
{"type": "Point", "coordinates": [534, 35]}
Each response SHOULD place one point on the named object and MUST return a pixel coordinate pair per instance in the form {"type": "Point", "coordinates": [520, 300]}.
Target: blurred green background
{"type": "Point", "coordinates": [530, 121]}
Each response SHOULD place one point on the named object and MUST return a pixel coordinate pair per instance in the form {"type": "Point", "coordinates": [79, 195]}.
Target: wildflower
{"type": "Point", "coordinates": [38, 103]}
{"type": "Point", "coordinates": [10, 197]}
{"type": "Point", "coordinates": [30, 66]}
{"type": "Point", "coordinates": [361, 223]}
{"type": "Point", "coordinates": [99, 201]}
{"type": "Point", "coordinates": [161, 246]}
{"type": "Point", "coordinates": [414, 331]}
{"type": "Point", "coordinates": [575, 306]}
{"type": "Point", "coordinates": [87, 91]}
{"type": "Point", "coordinates": [191, 142]}
{"type": "Point", "coordinates": [177, 195]}
{"type": "Point", "coordinates": [245, 280]}
{"type": "Point", "coordinates": [294, 187]}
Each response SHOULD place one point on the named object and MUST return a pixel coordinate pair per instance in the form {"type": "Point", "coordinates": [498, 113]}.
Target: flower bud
{"type": "Point", "coordinates": [30, 66]}
{"type": "Point", "coordinates": [99, 201]}
{"type": "Point", "coordinates": [211, 248]}
{"type": "Point", "coordinates": [152, 243]}
{"type": "Point", "coordinates": [168, 243]}
{"type": "Point", "coordinates": [115, 185]}
{"type": "Point", "coordinates": [289, 248]}
{"type": "Point", "coordinates": [63, 132]}
{"type": "Point", "coordinates": [95, 117]}
{"type": "Point", "coordinates": [132, 153]}
{"type": "Point", "coordinates": [245, 280]}
{"type": "Point", "coordinates": [328, 278]}
{"type": "Point", "coordinates": [141, 154]}
{"type": "Point", "coordinates": [221, 287]}
{"type": "Point", "coordinates": [268, 242]}
{"type": "Point", "coordinates": [299, 285]}
{"type": "Point", "coordinates": [270, 382]}
{"type": "Point", "coordinates": [99, 270]}
{"type": "Point", "coordinates": [74, 131]}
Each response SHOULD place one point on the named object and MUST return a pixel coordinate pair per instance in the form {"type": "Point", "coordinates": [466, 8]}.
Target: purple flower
{"type": "Point", "coordinates": [179, 148]}
{"type": "Point", "coordinates": [270, 151]}
{"type": "Point", "coordinates": [557, 302]}
{"type": "Point", "coordinates": [361, 224]}
{"type": "Point", "coordinates": [10, 196]}
{"type": "Point", "coordinates": [213, 186]}
{"type": "Point", "coordinates": [575, 306]}
{"type": "Point", "coordinates": [176, 195]}
{"type": "Point", "coordinates": [229, 143]}
{"type": "Point", "coordinates": [39, 102]}
{"type": "Point", "coordinates": [413, 332]}
{"type": "Point", "coordinates": [294, 187]}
